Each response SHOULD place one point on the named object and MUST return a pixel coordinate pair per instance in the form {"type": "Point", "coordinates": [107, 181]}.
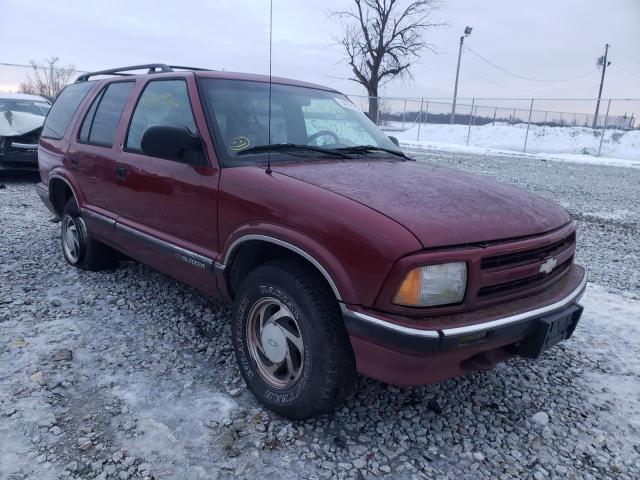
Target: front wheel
{"type": "Point", "coordinates": [290, 342]}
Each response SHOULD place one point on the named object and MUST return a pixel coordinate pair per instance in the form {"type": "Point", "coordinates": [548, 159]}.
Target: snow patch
{"type": "Point", "coordinates": [610, 332]}
{"type": "Point", "coordinates": [172, 421]}
{"type": "Point", "coordinates": [571, 144]}
{"type": "Point", "coordinates": [612, 215]}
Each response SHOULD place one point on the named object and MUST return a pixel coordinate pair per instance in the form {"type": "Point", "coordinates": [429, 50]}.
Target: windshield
{"type": "Point", "coordinates": [299, 116]}
{"type": "Point", "coordinates": [27, 106]}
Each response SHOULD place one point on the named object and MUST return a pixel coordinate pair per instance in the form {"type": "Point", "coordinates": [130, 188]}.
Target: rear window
{"type": "Point", "coordinates": [101, 122]}
{"type": "Point", "coordinates": [63, 109]}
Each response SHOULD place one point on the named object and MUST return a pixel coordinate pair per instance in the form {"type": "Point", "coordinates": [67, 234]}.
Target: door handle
{"type": "Point", "coordinates": [121, 171]}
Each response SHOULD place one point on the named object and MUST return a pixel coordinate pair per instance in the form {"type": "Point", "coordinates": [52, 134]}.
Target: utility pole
{"type": "Point", "coordinates": [467, 32]}
{"type": "Point", "coordinates": [601, 61]}
{"type": "Point", "coordinates": [51, 80]}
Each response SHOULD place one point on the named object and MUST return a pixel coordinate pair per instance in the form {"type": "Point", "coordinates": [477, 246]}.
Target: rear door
{"type": "Point", "coordinates": [93, 150]}
{"type": "Point", "coordinates": [167, 209]}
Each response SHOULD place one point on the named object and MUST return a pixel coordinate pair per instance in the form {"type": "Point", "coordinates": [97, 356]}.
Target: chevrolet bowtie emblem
{"type": "Point", "coordinates": [548, 265]}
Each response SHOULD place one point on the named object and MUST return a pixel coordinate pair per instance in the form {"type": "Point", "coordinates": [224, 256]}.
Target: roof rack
{"type": "Point", "coordinates": [150, 67]}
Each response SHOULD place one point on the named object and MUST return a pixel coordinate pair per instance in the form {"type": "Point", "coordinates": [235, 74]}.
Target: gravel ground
{"type": "Point", "coordinates": [129, 374]}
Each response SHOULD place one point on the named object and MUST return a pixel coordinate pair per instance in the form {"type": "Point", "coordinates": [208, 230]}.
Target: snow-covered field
{"type": "Point", "coordinates": [574, 144]}
{"type": "Point", "coordinates": [129, 374]}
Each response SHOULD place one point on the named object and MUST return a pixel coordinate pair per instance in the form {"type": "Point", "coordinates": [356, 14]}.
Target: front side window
{"type": "Point", "coordinates": [101, 122]}
{"type": "Point", "coordinates": [163, 102]}
{"type": "Point", "coordinates": [301, 116]}
{"type": "Point", "coordinates": [63, 109]}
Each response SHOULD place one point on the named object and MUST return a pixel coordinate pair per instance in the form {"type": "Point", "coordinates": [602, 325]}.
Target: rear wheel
{"type": "Point", "coordinates": [79, 248]}
{"type": "Point", "coordinates": [290, 342]}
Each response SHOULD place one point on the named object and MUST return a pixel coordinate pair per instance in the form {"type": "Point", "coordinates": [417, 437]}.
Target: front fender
{"type": "Point", "coordinates": [301, 244]}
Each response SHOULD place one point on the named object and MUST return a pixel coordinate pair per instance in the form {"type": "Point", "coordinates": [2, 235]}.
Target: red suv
{"type": "Point", "coordinates": [339, 253]}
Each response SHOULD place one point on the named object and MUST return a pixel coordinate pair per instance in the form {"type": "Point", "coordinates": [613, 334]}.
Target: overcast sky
{"type": "Point", "coordinates": [543, 39]}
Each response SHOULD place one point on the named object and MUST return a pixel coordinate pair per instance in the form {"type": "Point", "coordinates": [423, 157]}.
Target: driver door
{"type": "Point", "coordinates": [168, 209]}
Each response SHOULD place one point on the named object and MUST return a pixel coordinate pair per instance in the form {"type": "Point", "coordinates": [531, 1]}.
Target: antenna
{"type": "Point", "coordinates": [268, 170]}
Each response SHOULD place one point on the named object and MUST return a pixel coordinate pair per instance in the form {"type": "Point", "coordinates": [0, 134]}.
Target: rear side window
{"type": "Point", "coordinates": [63, 109]}
{"type": "Point", "coordinates": [163, 102]}
{"type": "Point", "coordinates": [85, 130]}
{"type": "Point", "coordinates": [101, 122]}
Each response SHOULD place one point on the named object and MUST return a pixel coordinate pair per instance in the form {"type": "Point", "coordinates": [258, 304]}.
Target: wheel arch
{"type": "Point", "coordinates": [60, 190]}
{"type": "Point", "coordinates": [248, 251]}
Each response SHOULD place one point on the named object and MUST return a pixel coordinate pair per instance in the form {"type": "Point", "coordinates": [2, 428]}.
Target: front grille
{"type": "Point", "coordinates": [527, 256]}
{"type": "Point", "coordinates": [28, 138]}
{"type": "Point", "coordinates": [522, 284]}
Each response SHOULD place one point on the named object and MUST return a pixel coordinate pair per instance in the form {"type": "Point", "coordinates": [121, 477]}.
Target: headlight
{"type": "Point", "coordinates": [433, 285]}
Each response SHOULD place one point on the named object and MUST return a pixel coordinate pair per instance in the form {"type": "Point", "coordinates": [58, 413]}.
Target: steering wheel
{"type": "Point", "coordinates": [322, 133]}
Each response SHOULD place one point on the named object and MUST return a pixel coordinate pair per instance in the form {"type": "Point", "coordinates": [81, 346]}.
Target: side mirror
{"type": "Point", "coordinates": [172, 143]}
{"type": "Point", "coordinates": [394, 140]}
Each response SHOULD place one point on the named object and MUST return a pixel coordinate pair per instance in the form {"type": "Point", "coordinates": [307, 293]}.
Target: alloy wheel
{"type": "Point", "coordinates": [275, 342]}
{"type": "Point", "coordinates": [71, 238]}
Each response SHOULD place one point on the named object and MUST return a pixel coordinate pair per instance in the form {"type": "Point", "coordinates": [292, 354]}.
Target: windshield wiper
{"type": "Point", "coordinates": [371, 148]}
{"type": "Point", "coordinates": [291, 147]}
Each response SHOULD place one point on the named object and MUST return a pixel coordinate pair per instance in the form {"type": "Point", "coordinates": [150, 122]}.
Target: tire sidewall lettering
{"type": "Point", "coordinates": [246, 363]}
{"type": "Point", "coordinates": [243, 360]}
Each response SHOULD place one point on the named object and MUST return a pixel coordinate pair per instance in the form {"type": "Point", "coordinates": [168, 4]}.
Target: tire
{"type": "Point", "coordinates": [79, 248]}
{"type": "Point", "coordinates": [318, 369]}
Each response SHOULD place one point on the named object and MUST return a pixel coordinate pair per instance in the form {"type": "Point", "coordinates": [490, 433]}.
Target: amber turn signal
{"type": "Point", "coordinates": [409, 291]}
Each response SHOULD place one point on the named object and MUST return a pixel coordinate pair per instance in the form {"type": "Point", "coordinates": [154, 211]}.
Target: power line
{"type": "Point", "coordinates": [537, 92]}
{"type": "Point", "coordinates": [617, 64]}
{"type": "Point", "coordinates": [525, 77]}
{"type": "Point", "coordinates": [617, 49]}
{"type": "Point", "coordinates": [482, 78]}
{"type": "Point", "coordinates": [31, 66]}
{"type": "Point", "coordinates": [625, 70]}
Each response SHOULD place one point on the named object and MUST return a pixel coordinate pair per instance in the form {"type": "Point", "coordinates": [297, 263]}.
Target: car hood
{"type": "Point", "coordinates": [440, 206]}
{"type": "Point", "coordinates": [13, 124]}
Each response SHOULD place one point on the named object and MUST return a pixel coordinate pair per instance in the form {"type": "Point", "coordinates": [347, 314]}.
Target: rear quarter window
{"type": "Point", "coordinates": [63, 109]}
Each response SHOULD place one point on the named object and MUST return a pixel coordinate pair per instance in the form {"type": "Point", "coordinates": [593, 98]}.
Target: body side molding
{"type": "Point", "coordinates": [182, 254]}
{"type": "Point", "coordinates": [185, 255]}
{"type": "Point", "coordinates": [110, 222]}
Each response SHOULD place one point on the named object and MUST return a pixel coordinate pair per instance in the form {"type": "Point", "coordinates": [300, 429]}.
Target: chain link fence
{"type": "Point", "coordinates": [514, 124]}
{"type": "Point", "coordinates": [527, 125]}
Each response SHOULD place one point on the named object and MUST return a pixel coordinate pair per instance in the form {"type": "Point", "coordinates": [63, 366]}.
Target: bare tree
{"type": "Point", "coordinates": [382, 38]}
{"type": "Point", "coordinates": [47, 79]}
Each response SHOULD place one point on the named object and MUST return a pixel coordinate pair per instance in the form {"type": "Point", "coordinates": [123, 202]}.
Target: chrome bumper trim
{"type": "Point", "coordinates": [32, 147]}
{"type": "Point", "coordinates": [501, 322]}
{"type": "Point", "coordinates": [479, 327]}
{"type": "Point", "coordinates": [414, 332]}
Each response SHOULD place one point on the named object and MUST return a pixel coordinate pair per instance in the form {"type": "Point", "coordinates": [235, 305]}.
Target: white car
{"type": "Point", "coordinates": [21, 119]}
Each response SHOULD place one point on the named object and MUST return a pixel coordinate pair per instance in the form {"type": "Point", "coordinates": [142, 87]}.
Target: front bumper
{"type": "Point", "coordinates": [19, 159]}
{"type": "Point", "coordinates": [389, 348]}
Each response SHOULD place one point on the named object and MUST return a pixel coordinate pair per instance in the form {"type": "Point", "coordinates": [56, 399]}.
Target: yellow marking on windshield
{"type": "Point", "coordinates": [239, 143]}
